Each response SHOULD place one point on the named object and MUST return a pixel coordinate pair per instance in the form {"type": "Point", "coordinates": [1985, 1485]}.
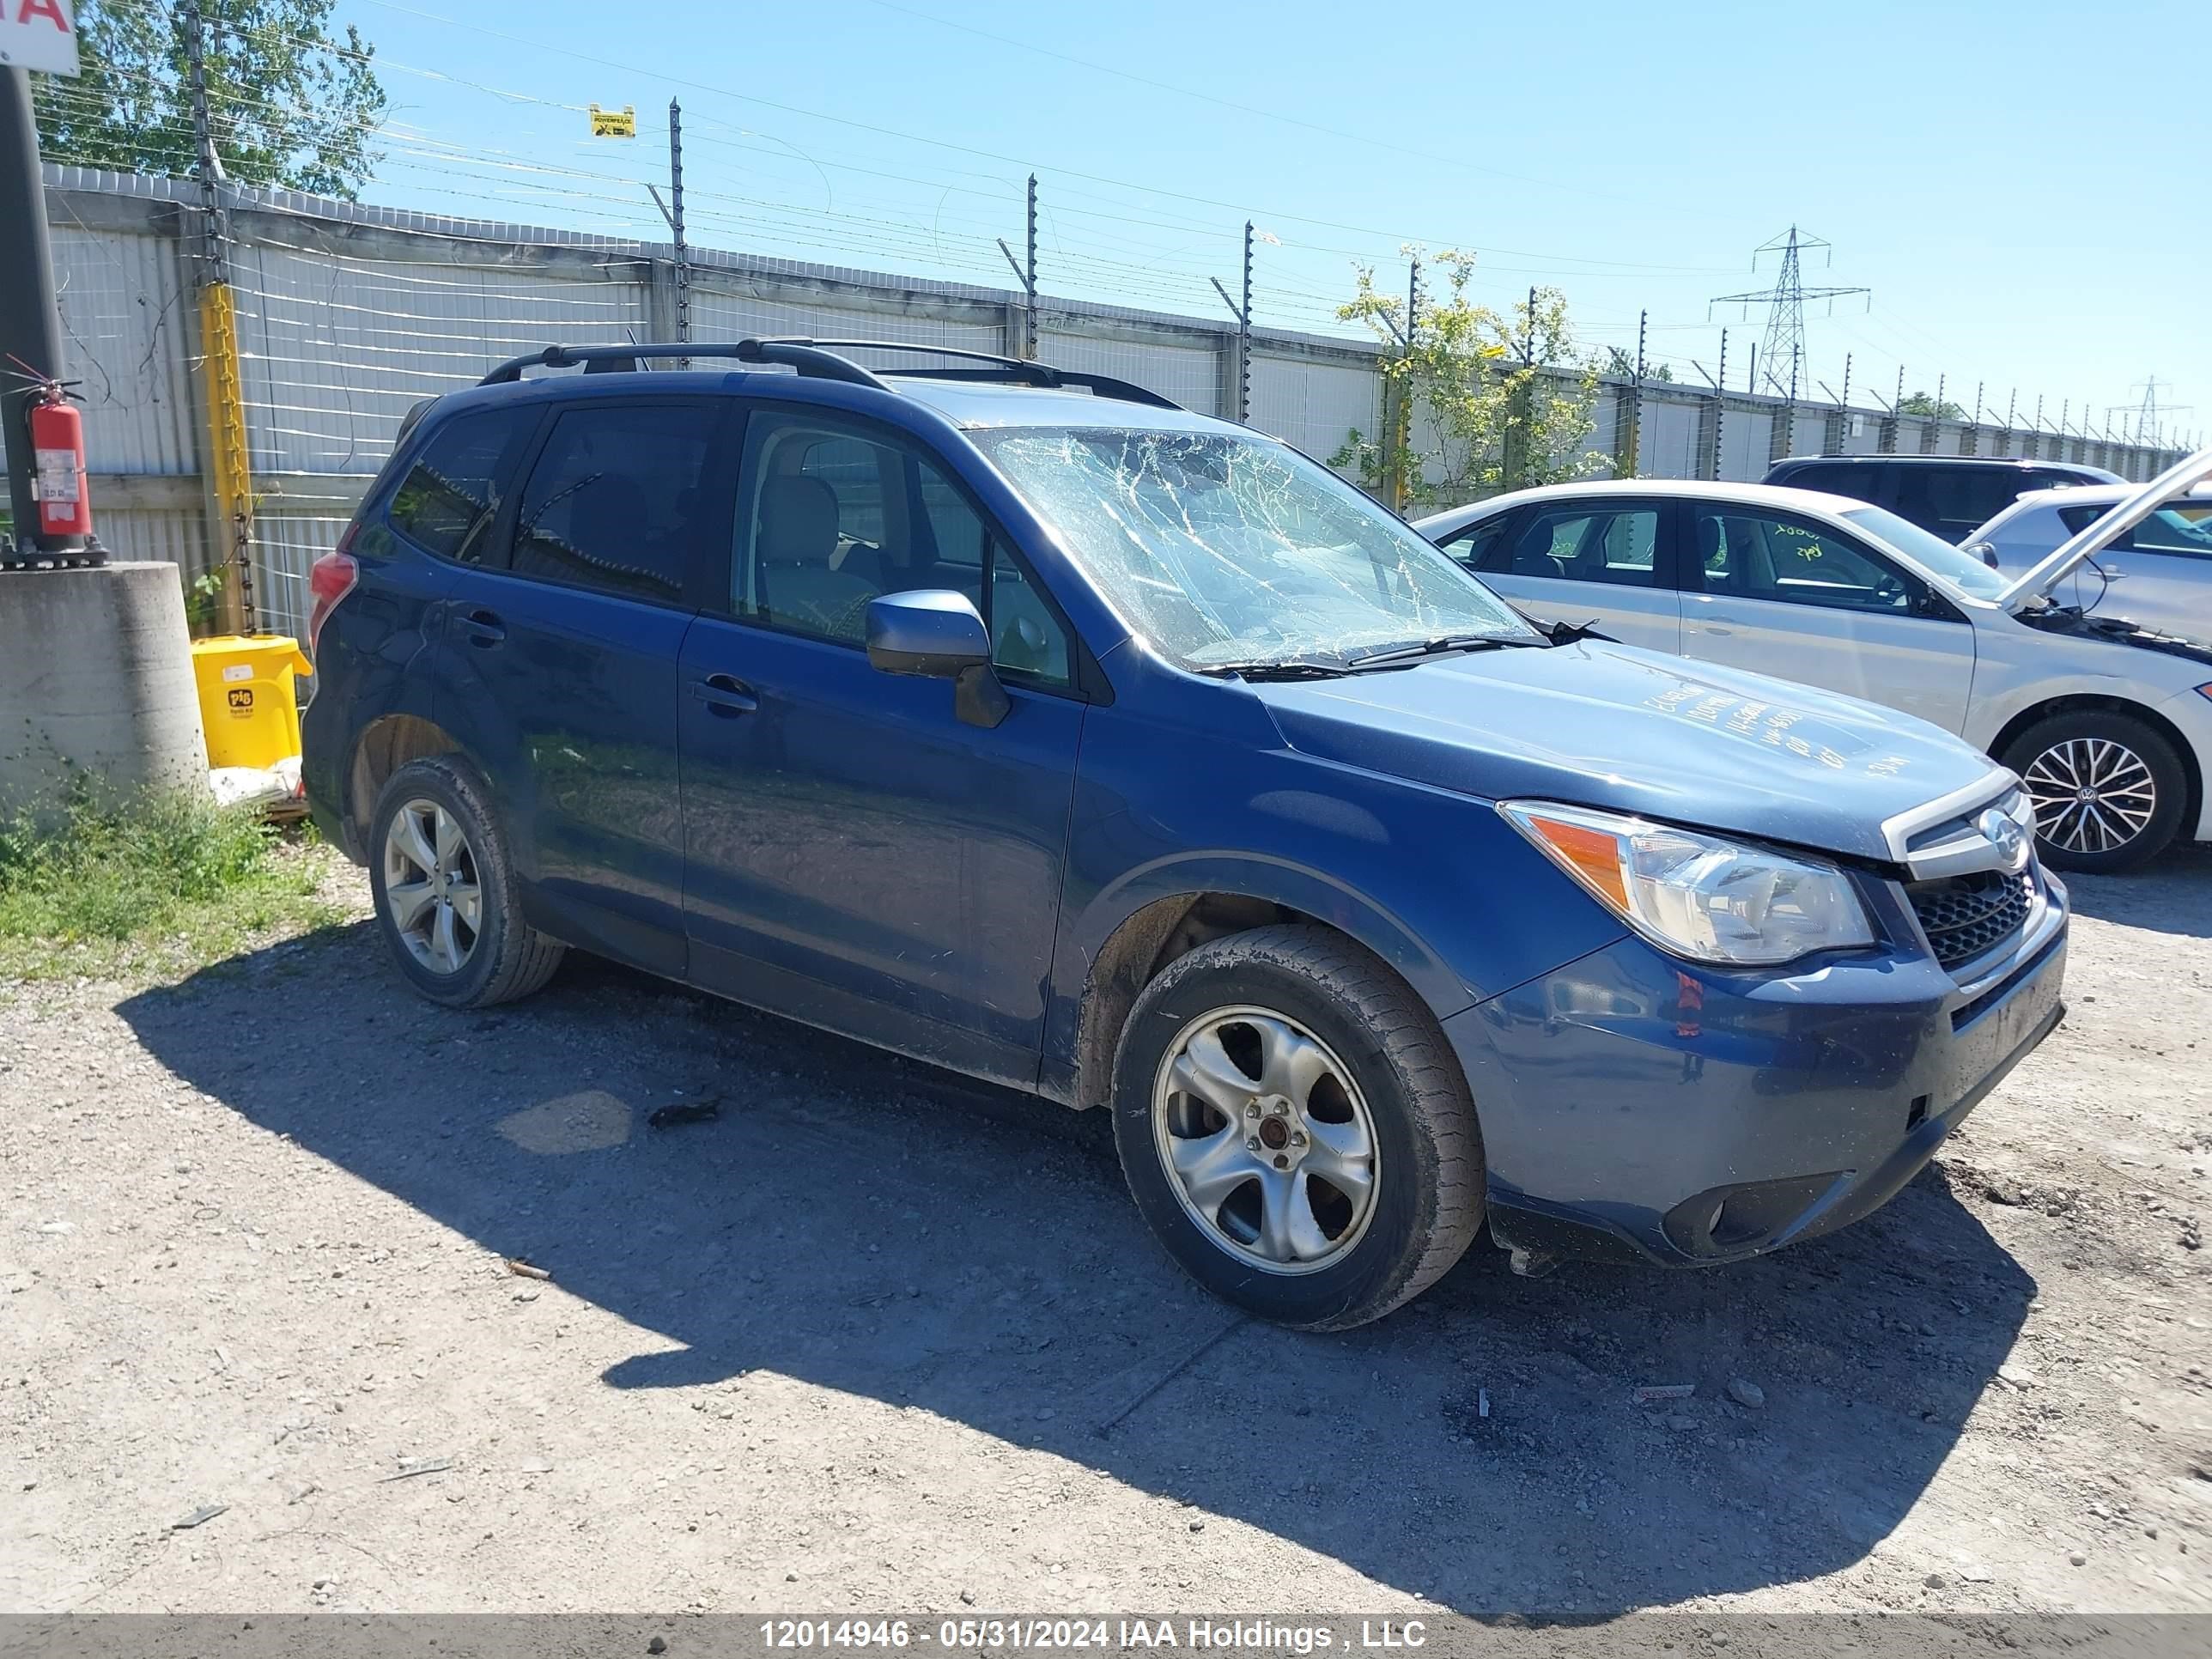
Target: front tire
{"type": "Point", "coordinates": [1294, 1129]}
{"type": "Point", "coordinates": [446, 900]}
{"type": "Point", "coordinates": [2108, 790]}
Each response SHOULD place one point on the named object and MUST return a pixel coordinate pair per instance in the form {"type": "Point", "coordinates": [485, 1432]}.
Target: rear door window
{"type": "Point", "coordinates": [450, 496]}
{"type": "Point", "coordinates": [1617, 546]}
{"type": "Point", "coordinates": [618, 500]}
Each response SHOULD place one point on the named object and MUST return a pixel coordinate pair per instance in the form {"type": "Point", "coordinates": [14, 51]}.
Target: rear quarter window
{"type": "Point", "coordinates": [446, 500]}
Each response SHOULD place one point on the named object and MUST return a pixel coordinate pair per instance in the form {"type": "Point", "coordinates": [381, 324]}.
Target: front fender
{"type": "Point", "coordinates": [1274, 880]}
{"type": "Point", "coordinates": [1434, 883]}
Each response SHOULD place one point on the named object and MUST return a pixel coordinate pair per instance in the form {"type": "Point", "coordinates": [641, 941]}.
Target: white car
{"type": "Point", "coordinates": [2109, 725]}
{"type": "Point", "coordinates": [2158, 573]}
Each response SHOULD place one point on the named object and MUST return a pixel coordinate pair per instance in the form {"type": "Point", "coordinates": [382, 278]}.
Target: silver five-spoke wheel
{"type": "Point", "coordinates": [1272, 1150]}
{"type": "Point", "coordinates": [2091, 794]}
{"type": "Point", "coordinates": [431, 890]}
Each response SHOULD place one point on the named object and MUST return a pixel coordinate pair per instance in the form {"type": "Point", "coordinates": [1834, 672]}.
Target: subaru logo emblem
{"type": "Point", "coordinates": [2003, 832]}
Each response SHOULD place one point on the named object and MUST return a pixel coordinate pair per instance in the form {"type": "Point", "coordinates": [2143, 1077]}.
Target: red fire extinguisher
{"type": "Point", "coordinates": [57, 454]}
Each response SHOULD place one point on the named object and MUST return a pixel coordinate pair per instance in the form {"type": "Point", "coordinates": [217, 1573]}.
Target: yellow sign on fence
{"type": "Point", "coordinates": [614, 123]}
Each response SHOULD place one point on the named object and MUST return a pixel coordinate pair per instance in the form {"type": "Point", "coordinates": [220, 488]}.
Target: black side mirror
{"type": "Point", "coordinates": [936, 633]}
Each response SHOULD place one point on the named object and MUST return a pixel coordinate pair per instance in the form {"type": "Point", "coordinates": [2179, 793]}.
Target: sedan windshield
{"type": "Point", "coordinates": [1929, 551]}
{"type": "Point", "coordinates": [1227, 551]}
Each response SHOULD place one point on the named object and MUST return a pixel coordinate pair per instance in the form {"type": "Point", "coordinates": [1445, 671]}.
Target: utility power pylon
{"type": "Point", "coordinates": [1782, 365]}
{"type": "Point", "coordinates": [2149, 416]}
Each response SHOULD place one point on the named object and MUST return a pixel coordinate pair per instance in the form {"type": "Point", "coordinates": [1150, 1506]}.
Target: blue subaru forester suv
{"type": "Point", "coordinates": [1021, 722]}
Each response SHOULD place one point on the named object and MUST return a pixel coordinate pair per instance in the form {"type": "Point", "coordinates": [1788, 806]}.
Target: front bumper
{"type": "Point", "coordinates": [1635, 1108]}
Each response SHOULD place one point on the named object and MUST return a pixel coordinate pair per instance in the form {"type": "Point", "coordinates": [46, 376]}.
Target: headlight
{"type": "Point", "coordinates": [1698, 896]}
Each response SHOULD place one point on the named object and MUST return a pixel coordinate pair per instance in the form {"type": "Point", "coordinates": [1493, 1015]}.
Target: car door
{"type": "Point", "coordinates": [1607, 561]}
{"type": "Point", "coordinates": [2158, 573]}
{"type": "Point", "coordinates": [563, 652]}
{"type": "Point", "coordinates": [857, 856]}
{"type": "Point", "coordinates": [1781, 594]}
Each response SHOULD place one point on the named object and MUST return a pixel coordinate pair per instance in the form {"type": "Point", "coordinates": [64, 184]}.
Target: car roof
{"type": "Point", "coordinates": [2096, 494]}
{"type": "Point", "coordinates": [973, 406]}
{"type": "Point", "coordinates": [1780, 496]}
{"type": "Point", "coordinates": [2006, 463]}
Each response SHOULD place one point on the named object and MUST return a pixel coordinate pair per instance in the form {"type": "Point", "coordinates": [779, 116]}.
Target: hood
{"type": "Point", "coordinates": [2046, 573]}
{"type": "Point", "coordinates": [1601, 725]}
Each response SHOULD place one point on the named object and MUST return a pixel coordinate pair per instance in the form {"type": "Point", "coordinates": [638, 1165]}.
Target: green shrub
{"type": "Point", "coordinates": [170, 876]}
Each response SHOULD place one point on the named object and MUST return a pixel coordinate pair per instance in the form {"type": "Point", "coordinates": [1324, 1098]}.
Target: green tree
{"type": "Point", "coordinates": [1921, 403]}
{"type": "Point", "coordinates": [1483, 400]}
{"type": "Point", "coordinates": [289, 103]}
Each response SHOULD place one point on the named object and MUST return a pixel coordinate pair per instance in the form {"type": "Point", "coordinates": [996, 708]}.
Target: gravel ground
{"type": "Point", "coordinates": [877, 1339]}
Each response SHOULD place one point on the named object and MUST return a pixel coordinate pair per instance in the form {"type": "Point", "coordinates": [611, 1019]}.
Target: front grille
{"type": "Point", "coordinates": [1965, 916]}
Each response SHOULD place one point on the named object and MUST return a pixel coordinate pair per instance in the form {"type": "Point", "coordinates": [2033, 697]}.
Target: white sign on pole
{"type": "Point", "coordinates": [37, 34]}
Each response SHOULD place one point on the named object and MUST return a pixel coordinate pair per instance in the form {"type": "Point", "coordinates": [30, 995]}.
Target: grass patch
{"type": "Point", "coordinates": [164, 884]}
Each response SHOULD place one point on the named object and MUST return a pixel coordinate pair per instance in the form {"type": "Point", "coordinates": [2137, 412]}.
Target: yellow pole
{"type": "Point", "coordinates": [234, 475]}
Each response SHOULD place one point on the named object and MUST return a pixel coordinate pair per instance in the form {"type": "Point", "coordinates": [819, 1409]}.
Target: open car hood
{"type": "Point", "coordinates": [2038, 581]}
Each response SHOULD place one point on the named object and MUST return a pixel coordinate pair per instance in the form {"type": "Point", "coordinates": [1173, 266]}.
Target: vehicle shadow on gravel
{"type": "Point", "coordinates": [2172, 894]}
{"type": "Point", "coordinates": [869, 1225]}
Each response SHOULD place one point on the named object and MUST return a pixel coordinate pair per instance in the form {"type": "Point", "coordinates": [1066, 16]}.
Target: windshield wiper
{"type": "Point", "coordinates": [1394, 656]}
{"type": "Point", "coordinates": [1282, 668]}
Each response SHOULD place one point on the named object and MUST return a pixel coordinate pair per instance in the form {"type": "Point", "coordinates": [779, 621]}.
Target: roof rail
{"type": "Point", "coordinates": [820, 358]}
{"type": "Point", "coordinates": [1017, 371]}
{"type": "Point", "coordinates": [604, 359]}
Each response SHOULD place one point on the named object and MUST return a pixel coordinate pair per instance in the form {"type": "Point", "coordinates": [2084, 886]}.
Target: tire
{"type": "Point", "coordinates": [501, 956]}
{"type": "Point", "coordinates": [2120, 758]}
{"type": "Point", "coordinates": [1323, 1257]}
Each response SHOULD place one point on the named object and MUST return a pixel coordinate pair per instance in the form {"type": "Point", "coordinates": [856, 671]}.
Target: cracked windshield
{"type": "Point", "coordinates": [1231, 553]}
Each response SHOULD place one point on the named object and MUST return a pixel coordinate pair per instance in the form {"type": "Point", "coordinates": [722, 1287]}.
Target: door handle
{"type": "Point", "coordinates": [484, 628]}
{"type": "Point", "coordinates": [1714, 628]}
{"type": "Point", "coordinates": [724, 694]}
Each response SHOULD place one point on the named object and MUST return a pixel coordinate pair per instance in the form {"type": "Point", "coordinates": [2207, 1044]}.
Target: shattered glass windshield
{"type": "Point", "coordinates": [1227, 551]}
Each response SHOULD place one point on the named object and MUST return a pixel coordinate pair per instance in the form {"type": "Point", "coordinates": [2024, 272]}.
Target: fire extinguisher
{"type": "Point", "coordinates": [57, 454]}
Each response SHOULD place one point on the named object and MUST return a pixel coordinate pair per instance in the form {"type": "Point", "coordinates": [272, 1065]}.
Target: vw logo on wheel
{"type": "Point", "coordinates": [2004, 834]}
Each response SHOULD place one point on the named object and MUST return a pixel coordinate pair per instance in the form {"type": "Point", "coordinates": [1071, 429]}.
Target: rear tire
{"type": "Point", "coordinates": [2108, 790]}
{"type": "Point", "coordinates": [1295, 1130]}
{"type": "Point", "coordinates": [446, 900]}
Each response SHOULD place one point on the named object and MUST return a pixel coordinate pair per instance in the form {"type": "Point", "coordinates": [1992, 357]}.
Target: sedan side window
{"type": "Point", "coordinates": [1615, 547]}
{"type": "Point", "coordinates": [834, 518]}
{"type": "Point", "coordinates": [1760, 555]}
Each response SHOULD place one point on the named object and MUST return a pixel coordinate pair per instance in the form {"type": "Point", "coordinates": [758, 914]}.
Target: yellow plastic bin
{"type": "Point", "coordinates": [246, 699]}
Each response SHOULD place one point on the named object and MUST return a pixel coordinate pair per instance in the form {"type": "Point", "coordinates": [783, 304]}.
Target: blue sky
{"type": "Point", "coordinates": [2024, 205]}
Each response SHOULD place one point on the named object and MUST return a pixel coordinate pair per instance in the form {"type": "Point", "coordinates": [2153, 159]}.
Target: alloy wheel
{"type": "Point", "coordinates": [2091, 794]}
{"type": "Point", "coordinates": [1267, 1140]}
{"type": "Point", "coordinates": [431, 890]}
